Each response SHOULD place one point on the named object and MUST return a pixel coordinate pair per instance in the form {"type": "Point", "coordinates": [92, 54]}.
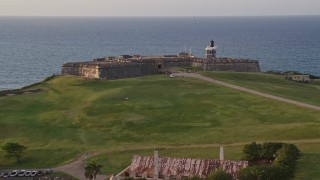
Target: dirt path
{"type": "Point", "coordinates": [76, 168]}
{"type": "Point", "coordinates": [248, 90]}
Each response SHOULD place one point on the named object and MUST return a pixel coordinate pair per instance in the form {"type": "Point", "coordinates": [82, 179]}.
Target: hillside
{"type": "Point", "coordinates": [71, 116]}
{"type": "Point", "coordinates": [273, 84]}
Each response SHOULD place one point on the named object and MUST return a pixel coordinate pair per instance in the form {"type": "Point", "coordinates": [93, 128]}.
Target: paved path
{"type": "Point", "coordinates": [194, 75]}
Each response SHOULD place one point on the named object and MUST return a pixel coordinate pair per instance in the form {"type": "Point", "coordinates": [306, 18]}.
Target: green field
{"type": "Point", "coordinates": [272, 84]}
{"type": "Point", "coordinates": [73, 115]}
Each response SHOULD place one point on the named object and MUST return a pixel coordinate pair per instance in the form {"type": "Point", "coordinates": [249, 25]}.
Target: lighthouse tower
{"type": "Point", "coordinates": [211, 50]}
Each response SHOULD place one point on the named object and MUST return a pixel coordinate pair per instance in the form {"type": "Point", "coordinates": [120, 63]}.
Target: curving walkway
{"type": "Point", "coordinates": [290, 101]}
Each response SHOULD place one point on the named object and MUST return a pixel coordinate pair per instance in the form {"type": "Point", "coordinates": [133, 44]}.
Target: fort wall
{"type": "Point", "coordinates": [133, 67]}
{"type": "Point", "coordinates": [127, 70]}
{"type": "Point", "coordinates": [236, 66]}
{"type": "Point", "coordinates": [186, 62]}
{"type": "Point", "coordinates": [136, 65]}
{"type": "Point", "coordinates": [85, 70]}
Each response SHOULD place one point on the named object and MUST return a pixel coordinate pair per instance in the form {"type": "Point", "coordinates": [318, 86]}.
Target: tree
{"type": "Point", "coordinates": [91, 170]}
{"type": "Point", "coordinates": [286, 158]}
{"type": "Point", "coordinates": [14, 149]}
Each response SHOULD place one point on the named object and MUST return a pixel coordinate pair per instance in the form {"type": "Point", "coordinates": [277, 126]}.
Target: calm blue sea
{"type": "Point", "coordinates": [32, 48]}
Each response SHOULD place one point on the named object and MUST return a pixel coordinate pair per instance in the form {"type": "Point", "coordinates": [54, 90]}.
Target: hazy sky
{"type": "Point", "coordinates": [158, 7]}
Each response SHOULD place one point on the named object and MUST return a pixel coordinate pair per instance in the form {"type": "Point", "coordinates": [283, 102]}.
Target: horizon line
{"type": "Point", "coordinates": [193, 16]}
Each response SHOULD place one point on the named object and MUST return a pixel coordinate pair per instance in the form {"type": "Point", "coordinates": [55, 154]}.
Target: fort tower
{"type": "Point", "coordinates": [211, 50]}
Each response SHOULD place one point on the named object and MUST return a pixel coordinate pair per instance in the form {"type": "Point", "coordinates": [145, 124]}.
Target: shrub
{"type": "Point", "coordinates": [195, 178]}
{"type": "Point", "coordinates": [219, 175]}
{"type": "Point", "coordinates": [284, 157]}
{"type": "Point", "coordinates": [269, 149]}
{"type": "Point", "coordinates": [249, 173]}
{"type": "Point", "coordinates": [252, 151]}
{"type": "Point", "coordinates": [265, 172]}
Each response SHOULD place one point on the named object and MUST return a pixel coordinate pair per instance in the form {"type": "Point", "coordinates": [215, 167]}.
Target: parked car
{"type": "Point", "coordinates": [33, 173]}
{"type": "Point", "coordinates": [49, 171]}
{"type": "Point", "coordinates": [14, 173]}
{"type": "Point", "coordinates": [1, 174]}
{"type": "Point", "coordinates": [22, 173]}
{"type": "Point", "coordinates": [6, 174]}
{"type": "Point", "coordinates": [28, 173]}
{"type": "Point", "coordinates": [40, 173]}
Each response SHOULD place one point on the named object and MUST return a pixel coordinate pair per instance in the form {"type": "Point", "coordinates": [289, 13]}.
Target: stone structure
{"type": "Point", "coordinates": [136, 65]}
{"type": "Point", "coordinates": [298, 78]}
{"type": "Point", "coordinates": [156, 165]}
{"type": "Point", "coordinates": [221, 153]}
{"type": "Point", "coordinates": [179, 168]}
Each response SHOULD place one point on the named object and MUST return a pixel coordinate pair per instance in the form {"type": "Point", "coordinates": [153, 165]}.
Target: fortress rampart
{"type": "Point", "coordinates": [227, 64]}
{"type": "Point", "coordinates": [154, 65]}
{"type": "Point", "coordinates": [132, 66]}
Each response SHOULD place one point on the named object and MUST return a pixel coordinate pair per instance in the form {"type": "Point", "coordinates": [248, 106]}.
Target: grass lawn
{"type": "Point", "coordinates": [272, 84]}
{"type": "Point", "coordinates": [73, 115]}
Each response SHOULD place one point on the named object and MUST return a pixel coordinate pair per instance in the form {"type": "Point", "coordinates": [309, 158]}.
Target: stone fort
{"type": "Point", "coordinates": [136, 65]}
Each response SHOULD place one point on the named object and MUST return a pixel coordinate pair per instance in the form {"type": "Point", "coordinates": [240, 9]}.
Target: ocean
{"type": "Point", "coordinates": [32, 48]}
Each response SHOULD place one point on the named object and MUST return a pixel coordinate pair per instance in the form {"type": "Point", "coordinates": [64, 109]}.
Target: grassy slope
{"type": "Point", "coordinates": [74, 115]}
{"type": "Point", "coordinates": [272, 84]}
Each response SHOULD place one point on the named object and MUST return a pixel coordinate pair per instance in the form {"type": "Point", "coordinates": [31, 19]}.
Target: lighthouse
{"type": "Point", "coordinates": [211, 50]}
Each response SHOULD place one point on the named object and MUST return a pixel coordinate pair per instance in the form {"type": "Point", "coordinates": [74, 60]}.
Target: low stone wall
{"type": "Point", "coordinates": [298, 78]}
{"type": "Point", "coordinates": [14, 92]}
